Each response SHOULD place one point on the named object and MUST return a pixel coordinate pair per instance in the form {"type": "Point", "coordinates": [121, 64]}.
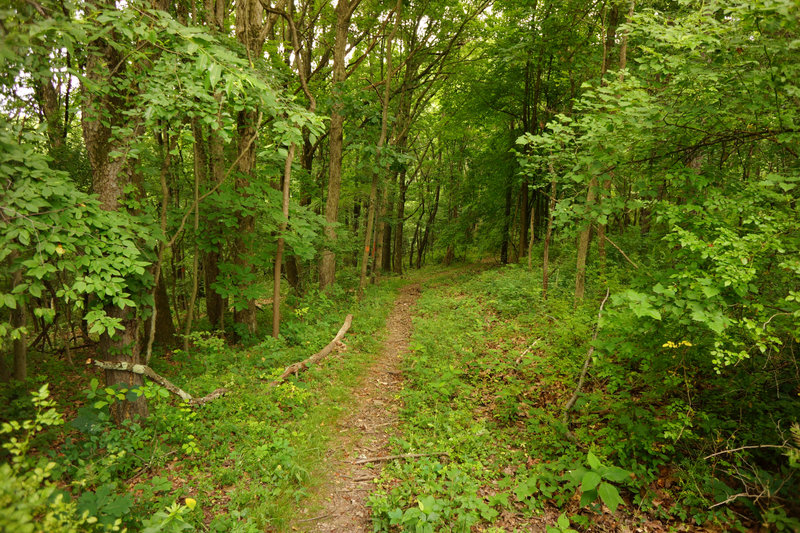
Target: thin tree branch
{"type": "Point", "coordinates": [586, 363]}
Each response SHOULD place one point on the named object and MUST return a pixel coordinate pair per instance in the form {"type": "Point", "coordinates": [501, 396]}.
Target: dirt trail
{"type": "Point", "coordinates": [364, 433]}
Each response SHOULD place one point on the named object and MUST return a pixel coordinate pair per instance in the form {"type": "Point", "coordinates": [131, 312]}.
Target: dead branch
{"type": "Point", "coordinates": [217, 393]}
{"type": "Point", "coordinates": [758, 446]}
{"type": "Point", "coordinates": [571, 402]}
{"type": "Point", "coordinates": [145, 370]}
{"type": "Point", "coordinates": [320, 517]}
{"type": "Point", "coordinates": [528, 349]}
{"type": "Point", "coordinates": [296, 368]}
{"type": "Point", "coordinates": [619, 250]}
{"type": "Point", "coordinates": [401, 456]}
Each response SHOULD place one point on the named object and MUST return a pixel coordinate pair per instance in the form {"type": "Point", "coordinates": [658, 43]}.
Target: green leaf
{"type": "Point", "coordinates": [214, 74]}
{"type": "Point", "coordinates": [588, 497]}
{"type": "Point", "coordinates": [590, 481]}
{"type": "Point", "coordinates": [593, 461]}
{"type": "Point", "coordinates": [9, 301]}
{"type": "Point", "coordinates": [426, 504]}
{"type": "Point", "coordinates": [563, 521]}
{"type": "Point", "coordinates": [610, 496]}
{"type": "Point", "coordinates": [616, 474]}
{"type": "Point", "coordinates": [35, 290]}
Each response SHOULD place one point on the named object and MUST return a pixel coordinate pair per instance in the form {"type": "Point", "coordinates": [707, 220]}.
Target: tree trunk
{"type": "Point", "coordinates": [506, 226]}
{"type": "Point", "coordinates": [523, 218]}
{"type": "Point", "coordinates": [276, 279]}
{"type": "Point", "coordinates": [583, 243]}
{"type": "Point", "coordinates": [20, 345]}
{"type": "Point", "coordinates": [397, 263]}
{"type": "Point", "coordinates": [428, 227]}
{"type": "Point", "coordinates": [366, 254]}
{"type": "Point", "coordinates": [200, 176]}
{"type": "Point", "coordinates": [213, 299]}
{"type": "Point", "coordinates": [623, 58]}
{"type": "Point", "coordinates": [327, 268]}
{"type": "Point", "coordinates": [602, 228]}
{"type": "Point", "coordinates": [530, 243]}
{"type": "Point", "coordinates": [211, 259]}
{"type": "Point", "coordinates": [100, 113]}
{"type": "Point", "coordinates": [249, 32]}
{"type": "Point", "coordinates": [165, 328]}
{"type": "Point", "coordinates": [48, 99]}
{"type": "Point", "coordinates": [608, 44]}
{"type": "Point", "coordinates": [386, 231]}
{"type": "Point", "coordinates": [449, 255]}
{"type": "Point", "coordinates": [547, 237]}
{"type": "Point", "coordinates": [381, 141]}
{"type": "Point", "coordinates": [294, 273]}
{"type": "Point", "coordinates": [382, 230]}
{"type": "Point", "coordinates": [623, 49]}
{"type": "Point", "coordinates": [413, 243]}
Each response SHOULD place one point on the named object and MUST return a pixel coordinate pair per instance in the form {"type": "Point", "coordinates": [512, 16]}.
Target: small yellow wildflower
{"type": "Point", "coordinates": [191, 503]}
{"type": "Point", "coordinates": [670, 344]}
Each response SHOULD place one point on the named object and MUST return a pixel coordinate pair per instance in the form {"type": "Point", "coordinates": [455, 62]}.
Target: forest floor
{"type": "Point", "coordinates": [460, 409]}
{"type": "Point", "coordinates": [459, 373]}
{"type": "Point", "coordinates": [340, 503]}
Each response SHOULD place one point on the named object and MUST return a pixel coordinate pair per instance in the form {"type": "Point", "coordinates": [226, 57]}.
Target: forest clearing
{"type": "Point", "coordinates": [399, 266]}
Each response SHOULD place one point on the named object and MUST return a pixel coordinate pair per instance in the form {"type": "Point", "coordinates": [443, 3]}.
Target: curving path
{"type": "Point", "coordinates": [364, 432]}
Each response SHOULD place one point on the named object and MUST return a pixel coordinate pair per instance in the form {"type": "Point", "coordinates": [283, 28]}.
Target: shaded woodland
{"type": "Point", "coordinates": [194, 195]}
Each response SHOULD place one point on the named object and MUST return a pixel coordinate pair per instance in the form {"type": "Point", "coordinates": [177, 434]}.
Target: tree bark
{"type": "Point", "coordinates": [200, 176]}
{"type": "Point", "coordinates": [249, 26]}
{"type": "Point", "coordinates": [48, 99]}
{"type": "Point", "coordinates": [547, 237]}
{"type": "Point", "coordinates": [211, 259]}
{"type": "Point", "coordinates": [276, 279]}
{"type": "Point", "coordinates": [165, 328]}
{"type": "Point", "coordinates": [327, 268]}
{"type": "Point", "coordinates": [20, 345]}
{"type": "Point", "coordinates": [530, 243]}
{"type": "Point", "coordinates": [506, 225]}
{"type": "Point", "coordinates": [389, 228]}
{"type": "Point", "coordinates": [100, 114]}
{"type": "Point", "coordinates": [381, 230]}
{"type": "Point", "coordinates": [381, 141]}
{"type": "Point", "coordinates": [523, 219]}
{"type": "Point", "coordinates": [428, 227]}
{"type": "Point", "coordinates": [583, 243]}
{"type": "Point", "coordinates": [397, 263]}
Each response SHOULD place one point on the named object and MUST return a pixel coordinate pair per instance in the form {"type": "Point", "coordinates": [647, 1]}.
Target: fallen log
{"type": "Point", "coordinates": [301, 366]}
{"type": "Point", "coordinates": [401, 456]}
{"type": "Point", "coordinates": [145, 370]}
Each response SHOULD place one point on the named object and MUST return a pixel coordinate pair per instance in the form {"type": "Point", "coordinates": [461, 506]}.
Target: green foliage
{"type": "Point", "coordinates": [29, 497]}
{"type": "Point", "coordinates": [486, 383]}
{"type": "Point", "coordinates": [596, 481]}
{"type": "Point", "coordinates": [562, 526]}
{"type": "Point", "coordinates": [62, 241]}
{"type": "Point", "coordinates": [171, 519]}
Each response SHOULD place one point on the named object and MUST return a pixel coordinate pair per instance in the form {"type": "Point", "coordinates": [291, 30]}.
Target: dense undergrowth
{"type": "Point", "coordinates": [653, 440]}
{"type": "Point", "coordinates": [660, 436]}
{"type": "Point", "coordinates": [240, 463]}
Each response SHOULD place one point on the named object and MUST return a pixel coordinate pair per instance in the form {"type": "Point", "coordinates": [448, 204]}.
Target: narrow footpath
{"type": "Point", "coordinates": [364, 433]}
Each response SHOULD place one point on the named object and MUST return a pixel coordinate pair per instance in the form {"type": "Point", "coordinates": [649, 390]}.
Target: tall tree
{"type": "Point", "coordinates": [344, 12]}
{"type": "Point", "coordinates": [107, 90]}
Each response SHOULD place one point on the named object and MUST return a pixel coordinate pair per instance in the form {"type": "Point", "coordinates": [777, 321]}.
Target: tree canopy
{"type": "Point", "coordinates": [222, 175]}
